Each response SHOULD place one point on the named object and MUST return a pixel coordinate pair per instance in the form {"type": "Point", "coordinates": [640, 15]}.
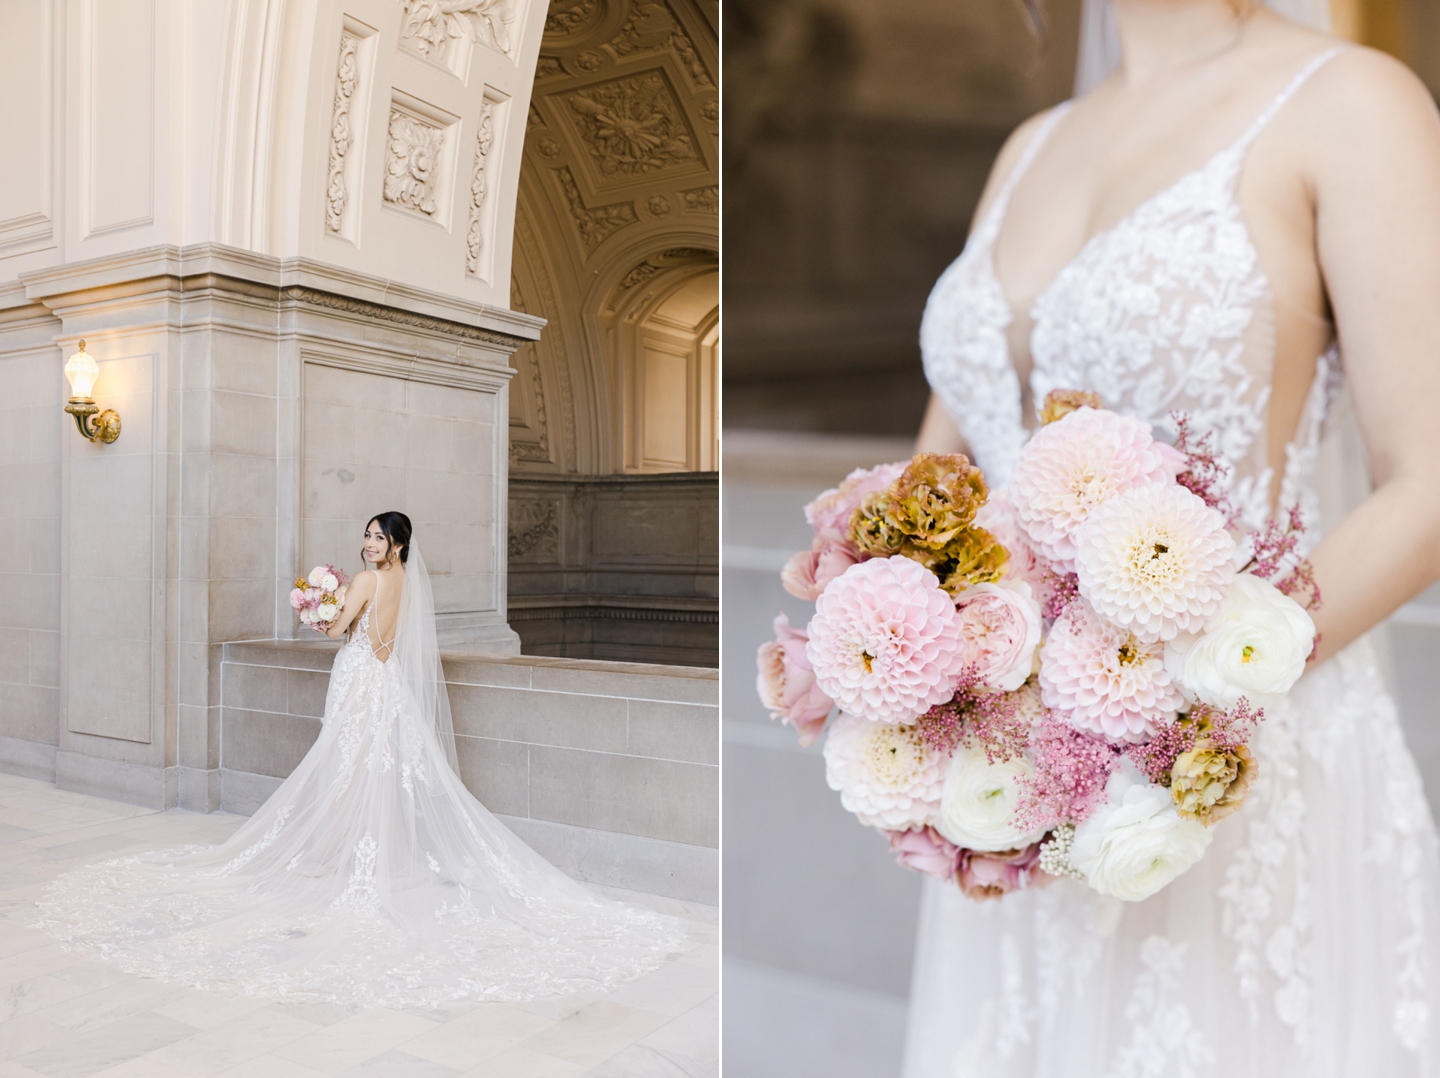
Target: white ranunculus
{"type": "Point", "coordinates": [1254, 646]}
{"type": "Point", "coordinates": [327, 611]}
{"type": "Point", "coordinates": [1136, 842]}
{"type": "Point", "coordinates": [977, 808]}
{"type": "Point", "coordinates": [307, 617]}
{"type": "Point", "coordinates": [329, 582]}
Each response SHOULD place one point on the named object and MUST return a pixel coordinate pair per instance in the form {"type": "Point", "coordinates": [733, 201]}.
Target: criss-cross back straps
{"type": "Point", "coordinates": [376, 643]}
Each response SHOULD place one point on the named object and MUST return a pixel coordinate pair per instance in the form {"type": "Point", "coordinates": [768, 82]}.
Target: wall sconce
{"type": "Point", "coordinates": [82, 371]}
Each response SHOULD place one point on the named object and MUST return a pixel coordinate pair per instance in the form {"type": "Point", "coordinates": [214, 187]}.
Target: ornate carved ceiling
{"type": "Point", "coordinates": [619, 191]}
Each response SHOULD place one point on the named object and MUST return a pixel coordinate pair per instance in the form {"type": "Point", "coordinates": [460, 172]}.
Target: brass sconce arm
{"type": "Point", "coordinates": [104, 426]}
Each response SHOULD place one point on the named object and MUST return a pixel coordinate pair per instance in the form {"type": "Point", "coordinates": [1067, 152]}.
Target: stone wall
{"type": "Point", "coordinates": [619, 567]}
{"type": "Point", "coordinates": [269, 407]}
{"type": "Point", "coordinates": [609, 770]}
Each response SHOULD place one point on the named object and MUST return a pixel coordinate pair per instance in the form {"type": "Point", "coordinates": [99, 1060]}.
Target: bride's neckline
{"type": "Point", "coordinates": [995, 215]}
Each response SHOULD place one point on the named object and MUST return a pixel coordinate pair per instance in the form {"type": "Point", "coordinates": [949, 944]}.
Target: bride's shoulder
{"type": "Point", "coordinates": [364, 583]}
{"type": "Point", "coordinates": [1366, 116]}
{"type": "Point", "coordinates": [1363, 89]}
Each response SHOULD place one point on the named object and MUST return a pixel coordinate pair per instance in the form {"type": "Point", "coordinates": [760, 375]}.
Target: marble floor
{"type": "Point", "coordinates": [66, 1017]}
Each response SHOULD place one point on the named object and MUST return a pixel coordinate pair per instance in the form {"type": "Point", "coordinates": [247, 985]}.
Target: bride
{"type": "Point", "coordinates": [371, 876]}
{"type": "Point", "coordinates": [1241, 196]}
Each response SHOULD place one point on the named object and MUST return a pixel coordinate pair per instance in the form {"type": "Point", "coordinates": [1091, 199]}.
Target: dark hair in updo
{"type": "Point", "coordinates": [396, 527]}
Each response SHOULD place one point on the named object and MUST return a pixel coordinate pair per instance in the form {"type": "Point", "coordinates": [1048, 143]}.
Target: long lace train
{"type": "Point", "coordinates": [370, 877]}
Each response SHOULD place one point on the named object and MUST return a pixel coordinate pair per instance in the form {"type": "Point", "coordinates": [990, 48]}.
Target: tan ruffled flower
{"type": "Point", "coordinates": [936, 498]}
{"type": "Point", "coordinates": [1061, 402]}
{"type": "Point", "coordinates": [1209, 784]}
{"type": "Point", "coordinates": [973, 557]}
{"type": "Point", "coordinates": [871, 530]}
{"type": "Point", "coordinates": [928, 516]}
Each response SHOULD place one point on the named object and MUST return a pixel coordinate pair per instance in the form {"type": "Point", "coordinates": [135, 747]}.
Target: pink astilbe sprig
{"type": "Point", "coordinates": [1060, 591]}
{"type": "Point", "coordinates": [1071, 770]}
{"type": "Point", "coordinates": [1224, 730]}
{"type": "Point", "coordinates": [1276, 548]}
{"type": "Point", "coordinates": [1207, 474]}
{"type": "Point", "coordinates": [993, 721]}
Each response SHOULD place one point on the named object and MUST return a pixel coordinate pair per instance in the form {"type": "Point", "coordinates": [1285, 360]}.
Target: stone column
{"type": "Point", "coordinates": [269, 407]}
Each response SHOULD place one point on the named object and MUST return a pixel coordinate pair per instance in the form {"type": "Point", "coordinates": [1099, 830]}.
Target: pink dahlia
{"type": "Point", "coordinates": [1103, 680]}
{"type": "Point", "coordinates": [807, 573]}
{"type": "Point", "coordinates": [787, 684]}
{"type": "Point", "coordinates": [1156, 561]}
{"type": "Point", "coordinates": [885, 641]}
{"type": "Point", "coordinates": [886, 775]}
{"type": "Point", "coordinates": [1074, 465]}
{"type": "Point", "coordinates": [830, 513]}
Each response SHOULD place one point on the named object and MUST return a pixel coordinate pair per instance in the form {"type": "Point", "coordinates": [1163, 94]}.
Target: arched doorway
{"type": "Point", "coordinates": [613, 530]}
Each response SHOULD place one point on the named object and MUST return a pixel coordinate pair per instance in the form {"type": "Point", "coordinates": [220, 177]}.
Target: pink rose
{"type": "Point", "coordinates": [830, 513]}
{"type": "Point", "coordinates": [927, 851]}
{"type": "Point", "coordinates": [297, 598]}
{"type": "Point", "coordinates": [806, 574]}
{"type": "Point", "coordinates": [991, 875]}
{"type": "Point", "coordinates": [999, 632]}
{"type": "Point", "coordinates": [787, 683]}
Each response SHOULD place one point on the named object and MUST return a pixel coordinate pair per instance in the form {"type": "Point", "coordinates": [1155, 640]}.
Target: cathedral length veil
{"type": "Point", "coordinates": [371, 877]}
{"type": "Point", "coordinates": [418, 652]}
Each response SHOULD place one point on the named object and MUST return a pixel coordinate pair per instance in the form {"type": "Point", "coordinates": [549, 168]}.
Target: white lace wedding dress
{"type": "Point", "coordinates": [1304, 944]}
{"type": "Point", "coordinates": [371, 876]}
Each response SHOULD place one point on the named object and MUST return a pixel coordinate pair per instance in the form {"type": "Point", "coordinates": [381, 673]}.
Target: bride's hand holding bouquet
{"type": "Point", "coordinates": [1057, 679]}
{"type": "Point", "coordinates": [319, 597]}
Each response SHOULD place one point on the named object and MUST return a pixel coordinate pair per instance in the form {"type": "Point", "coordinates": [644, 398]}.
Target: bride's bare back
{"type": "Point", "coordinates": [1341, 197]}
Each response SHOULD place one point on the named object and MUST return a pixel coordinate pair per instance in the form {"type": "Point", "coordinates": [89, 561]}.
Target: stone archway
{"type": "Point", "coordinates": [612, 531]}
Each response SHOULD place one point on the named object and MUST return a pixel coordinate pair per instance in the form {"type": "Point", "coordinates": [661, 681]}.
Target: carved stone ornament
{"type": "Point", "coordinates": [597, 223]}
{"type": "Point", "coordinates": [548, 67]}
{"type": "Point", "coordinates": [570, 16]}
{"type": "Point", "coordinates": [340, 135]}
{"type": "Point", "coordinates": [632, 126]}
{"type": "Point", "coordinates": [651, 27]}
{"type": "Point", "coordinates": [530, 522]}
{"type": "Point", "coordinates": [702, 199]}
{"type": "Point", "coordinates": [431, 25]}
{"type": "Point", "coordinates": [412, 163]}
{"type": "Point", "coordinates": [639, 275]}
{"type": "Point", "coordinates": [479, 186]}
{"type": "Point", "coordinates": [658, 205]}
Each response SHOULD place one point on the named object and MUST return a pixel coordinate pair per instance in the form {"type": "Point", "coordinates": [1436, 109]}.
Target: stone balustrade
{"type": "Point", "coordinates": [622, 567]}
{"type": "Point", "coordinates": [610, 770]}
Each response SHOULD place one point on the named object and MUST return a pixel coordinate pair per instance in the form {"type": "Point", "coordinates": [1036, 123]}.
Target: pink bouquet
{"type": "Point", "coordinates": [1057, 679]}
{"type": "Point", "coordinates": [319, 596]}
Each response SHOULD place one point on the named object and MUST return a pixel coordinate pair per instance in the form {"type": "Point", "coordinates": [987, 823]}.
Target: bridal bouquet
{"type": "Point", "coordinates": [319, 596]}
{"type": "Point", "coordinates": [1060, 678]}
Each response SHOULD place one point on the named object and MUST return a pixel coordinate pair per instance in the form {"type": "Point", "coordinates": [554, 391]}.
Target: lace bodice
{"type": "Point", "coordinates": [1167, 309]}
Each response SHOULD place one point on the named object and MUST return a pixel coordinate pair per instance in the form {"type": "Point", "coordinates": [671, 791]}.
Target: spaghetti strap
{"type": "Point", "coordinates": [1301, 77]}
{"type": "Point", "coordinates": [996, 213]}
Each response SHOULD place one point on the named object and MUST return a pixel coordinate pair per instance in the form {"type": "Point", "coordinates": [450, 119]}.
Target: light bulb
{"type": "Point", "coordinates": [82, 371]}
